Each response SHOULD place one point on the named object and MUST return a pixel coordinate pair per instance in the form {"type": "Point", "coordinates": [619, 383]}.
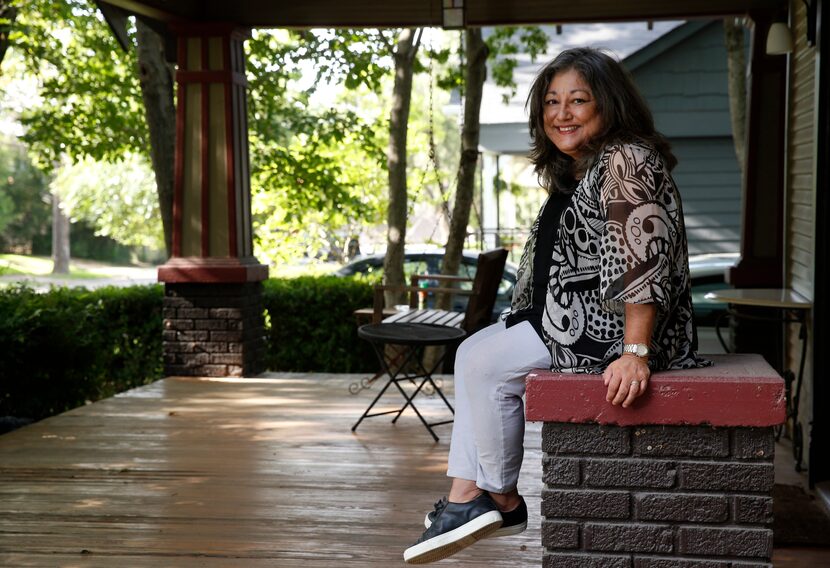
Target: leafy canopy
{"type": "Point", "coordinates": [312, 171]}
{"type": "Point", "coordinates": [117, 198]}
{"type": "Point", "coordinates": [317, 152]}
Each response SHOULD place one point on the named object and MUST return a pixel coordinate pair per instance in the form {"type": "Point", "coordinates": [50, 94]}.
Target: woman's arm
{"type": "Point", "coordinates": [618, 377]}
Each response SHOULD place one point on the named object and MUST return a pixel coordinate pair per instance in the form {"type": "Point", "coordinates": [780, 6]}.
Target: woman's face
{"type": "Point", "coordinates": [570, 113]}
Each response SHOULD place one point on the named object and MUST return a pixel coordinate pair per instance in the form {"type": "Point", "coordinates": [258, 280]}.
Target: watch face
{"type": "Point", "coordinates": [642, 350]}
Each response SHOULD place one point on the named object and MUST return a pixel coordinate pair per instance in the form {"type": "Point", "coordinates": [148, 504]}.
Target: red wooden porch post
{"type": "Point", "coordinates": [213, 293]}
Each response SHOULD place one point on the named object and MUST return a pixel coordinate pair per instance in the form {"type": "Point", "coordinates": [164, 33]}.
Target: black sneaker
{"type": "Point", "coordinates": [514, 522]}
{"type": "Point", "coordinates": [437, 508]}
{"type": "Point", "coordinates": [455, 527]}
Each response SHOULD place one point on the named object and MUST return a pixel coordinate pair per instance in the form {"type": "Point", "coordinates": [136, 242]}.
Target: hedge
{"type": "Point", "coordinates": [312, 325]}
{"type": "Point", "coordinates": [62, 348]}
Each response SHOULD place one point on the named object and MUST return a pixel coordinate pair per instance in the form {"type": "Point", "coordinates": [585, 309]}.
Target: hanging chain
{"type": "Point", "coordinates": [433, 154]}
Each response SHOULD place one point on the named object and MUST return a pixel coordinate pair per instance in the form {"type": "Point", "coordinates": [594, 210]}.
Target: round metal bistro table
{"type": "Point", "coordinates": [408, 365]}
{"type": "Point", "coordinates": [788, 307]}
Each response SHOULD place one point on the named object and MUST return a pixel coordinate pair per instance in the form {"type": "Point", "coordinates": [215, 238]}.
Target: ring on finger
{"type": "Point", "coordinates": [635, 383]}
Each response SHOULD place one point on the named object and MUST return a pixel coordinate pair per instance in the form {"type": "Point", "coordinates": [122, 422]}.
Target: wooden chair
{"type": "Point", "coordinates": [403, 350]}
{"type": "Point", "coordinates": [482, 296]}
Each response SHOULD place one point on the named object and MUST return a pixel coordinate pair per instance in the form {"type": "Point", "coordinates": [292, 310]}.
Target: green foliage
{"type": "Point", "coordinates": [352, 57]}
{"type": "Point", "coordinates": [8, 13]}
{"type": "Point", "coordinates": [119, 199]}
{"type": "Point", "coordinates": [504, 44]}
{"type": "Point", "coordinates": [68, 346]}
{"type": "Point", "coordinates": [25, 209]}
{"type": "Point", "coordinates": [315, 172]}
{"type": "Point", "coordinates": [318, 166]}
{"type": "Point", "coordinates": [90, 100]}
{"type": "Point", "coordinates": [313, 327]}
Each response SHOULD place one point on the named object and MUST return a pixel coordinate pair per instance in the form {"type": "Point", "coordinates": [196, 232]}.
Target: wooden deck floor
{"type": "Point", "coordinates": [237, 473]}
{"type": "Point", "coordinates": [242, 473]}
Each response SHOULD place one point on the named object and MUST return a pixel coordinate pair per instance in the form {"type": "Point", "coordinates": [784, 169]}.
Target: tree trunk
{"type": "Point", "coordinates": [7, 15]}
{"type": "Point", "coordinates": [736, 61]}
{"type": "Point", "coordinates": [396, 162]}
{"type": "Point", "coordinates": [474, 76]}
{"type": "Point", "coordinates": [60, 238]}
{"type": "Point", "coordinates": [156, 77]}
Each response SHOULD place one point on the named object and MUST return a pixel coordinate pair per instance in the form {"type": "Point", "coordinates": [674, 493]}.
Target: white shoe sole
{"type": "Point", "coordinates": [503, 531]}
{"type": "Point", "coordinates": [447, 544]}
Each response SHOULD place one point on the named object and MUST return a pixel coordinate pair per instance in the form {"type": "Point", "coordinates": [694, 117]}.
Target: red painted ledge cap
{"type": "Point", "coordinates": [212, 270]}
{"type": "Point", "coordinates": [738, 390]}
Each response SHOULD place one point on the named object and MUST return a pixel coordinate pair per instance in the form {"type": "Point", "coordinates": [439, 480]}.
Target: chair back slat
{"type": "Point", "coordinates": [485, 288]}
{"type": "Point", "coordinates": [435, 317]}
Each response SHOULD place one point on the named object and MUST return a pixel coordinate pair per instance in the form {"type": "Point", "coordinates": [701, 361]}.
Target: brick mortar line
{"type": "Point", "coordinates": [658, 555]}
{"type": "Point", "coordinates": [622, 457]}
{"type": "Point", "coordinates": [581, 521]}
{"type": "Point", "coordinates": [662, 490]}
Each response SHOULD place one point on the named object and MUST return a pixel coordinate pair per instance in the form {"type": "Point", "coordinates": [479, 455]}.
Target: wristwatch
{"type": "Point", "coordinates": [638, 349]}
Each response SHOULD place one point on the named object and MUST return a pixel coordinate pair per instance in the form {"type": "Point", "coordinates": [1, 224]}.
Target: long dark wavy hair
{"type": "Point", "coordinates": [625, 116]}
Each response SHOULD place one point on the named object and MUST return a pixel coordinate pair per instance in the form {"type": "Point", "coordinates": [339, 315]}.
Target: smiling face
{"type": "Point", "coordinates": [571, 115]}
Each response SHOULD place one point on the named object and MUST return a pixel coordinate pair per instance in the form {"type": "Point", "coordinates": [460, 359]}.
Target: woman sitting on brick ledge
{"type": "Point", "coordinates": [603, 288]}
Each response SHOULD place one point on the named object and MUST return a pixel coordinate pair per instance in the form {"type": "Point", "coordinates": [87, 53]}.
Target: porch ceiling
{"type": "Point", "coordinates": [373, 13]}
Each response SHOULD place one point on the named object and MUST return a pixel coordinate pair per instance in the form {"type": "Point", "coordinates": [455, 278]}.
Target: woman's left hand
{"type": "Point", "coordinates": [626, 379]}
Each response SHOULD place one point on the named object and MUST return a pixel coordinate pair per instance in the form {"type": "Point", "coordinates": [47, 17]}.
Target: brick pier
{"type": "Point", "coordinates": [682, 479]}
{"type": "Point", "coordinates": [213, 330]}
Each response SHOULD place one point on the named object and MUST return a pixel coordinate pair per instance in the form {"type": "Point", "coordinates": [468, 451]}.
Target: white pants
{"type": "Point", "coordinates": [488, 433]}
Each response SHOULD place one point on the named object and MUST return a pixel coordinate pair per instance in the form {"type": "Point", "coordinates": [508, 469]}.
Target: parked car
{"type": "Point", "coordinates": [707, 272]}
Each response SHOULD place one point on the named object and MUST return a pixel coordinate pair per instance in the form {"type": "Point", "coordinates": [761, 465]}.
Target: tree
{"type": "Point", "coordinates": [93, 104]}
{"type": "Point", "coordinates": [101, 103]}
{"type": "Point", "coordinates": [156, 78]}
{"type": "Point", "coordinates": [53, 37]}
{"type": "Point", "coordinates": [118, 199]}
{"type": "Point", "coordinates": [475, 74]}
{"type": "Point", "coordinates": [315, 172]}
{"type": "Point", "coordinates": [24, 197]}
{"type": "Point", "coordinates": [360, 58]}
{"type": "Point", "coordinates": [60, 237]}
{"type": "Point", "coordinates": [404, 56]}
{"type": "Point", "coordinates": [8, 13]}
{"type": "Point", "coordinates": [500, 48]}
{"type": "Point", "coordinates": [91, 99]}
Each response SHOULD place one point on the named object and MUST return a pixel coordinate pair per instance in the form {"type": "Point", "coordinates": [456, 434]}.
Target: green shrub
{"type": "Point", "coordinates": [64, 347]}
{"type": "Point", "coordinates": [312, 325]}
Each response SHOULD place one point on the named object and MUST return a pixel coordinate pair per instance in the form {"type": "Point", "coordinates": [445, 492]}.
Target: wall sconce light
{"type": "Point", "coordinates": [453, 14]}
{"type": "Point", "coordinates": [779, 39]}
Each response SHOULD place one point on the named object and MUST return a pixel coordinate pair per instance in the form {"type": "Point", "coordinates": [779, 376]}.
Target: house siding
{"type": "Point", "coordinates": [709, 180]}
{"type": "Point", "coordinates": [800, 196]}
{"type": "Point", "coordinates": [686, 89]}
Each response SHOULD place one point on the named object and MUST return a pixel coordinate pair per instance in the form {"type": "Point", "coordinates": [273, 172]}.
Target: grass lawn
{"type": "Point", "coordinates": [81, 269]}
{"type": "Point", "coordinates": [295, 270]}
{"type": "Point", "coordinates": [41, 266]}
{"type": "Point", "coordinates": [23, 265]}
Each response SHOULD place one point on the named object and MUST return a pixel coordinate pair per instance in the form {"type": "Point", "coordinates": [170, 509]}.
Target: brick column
{"type": "Point", "coordinates": [682, 479]}
{"type": "Point", "coordinates": [213, 317]}
{"type": "Point", "coordinates": [213, 330]}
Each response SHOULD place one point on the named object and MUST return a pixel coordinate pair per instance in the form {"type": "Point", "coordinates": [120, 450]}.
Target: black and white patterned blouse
{"type": "Point", "coordinates": [621, 240]}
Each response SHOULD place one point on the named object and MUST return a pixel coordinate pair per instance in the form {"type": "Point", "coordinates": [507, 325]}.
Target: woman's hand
{"type": "Point", "coordinates": [626, 379]}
